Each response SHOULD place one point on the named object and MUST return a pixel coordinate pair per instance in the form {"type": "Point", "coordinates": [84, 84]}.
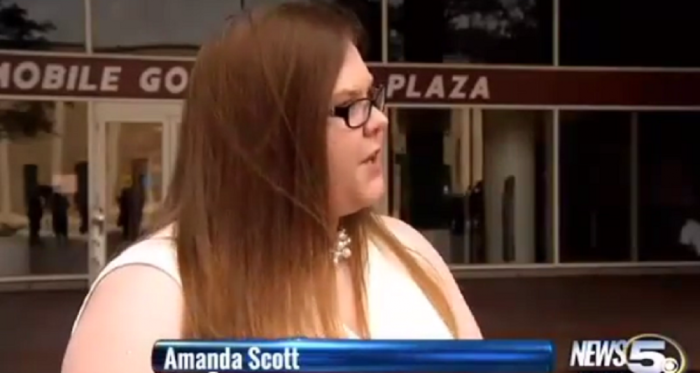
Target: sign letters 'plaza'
{"type": "Point", "coordinates": [453, 87]}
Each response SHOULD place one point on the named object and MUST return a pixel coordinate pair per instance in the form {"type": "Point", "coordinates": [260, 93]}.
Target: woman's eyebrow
{"type": "Point", "coordinates": [354, 92]}
{"type": "Point", "coordinates": [349, 93]}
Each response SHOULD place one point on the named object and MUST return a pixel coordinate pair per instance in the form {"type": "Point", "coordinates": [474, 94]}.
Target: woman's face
{"type": "Point", "coordinates": [355, 154]}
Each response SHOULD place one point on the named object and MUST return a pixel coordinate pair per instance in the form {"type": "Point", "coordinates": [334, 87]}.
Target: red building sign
{"type": "Point", "coordinates": [85, 77]}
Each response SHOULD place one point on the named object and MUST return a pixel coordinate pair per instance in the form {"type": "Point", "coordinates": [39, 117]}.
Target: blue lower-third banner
{"type": "Point", "coordinates": [322, 355]}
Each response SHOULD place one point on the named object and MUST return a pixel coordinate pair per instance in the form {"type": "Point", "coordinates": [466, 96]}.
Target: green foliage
{"type": "Point", "coordinates": [19, 32]}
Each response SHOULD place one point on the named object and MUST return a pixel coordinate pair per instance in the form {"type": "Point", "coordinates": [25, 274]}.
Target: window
{"type": "Point", "coordinates": [629, 187]}
{"type": "Point", "coordinates": [179, 27]}
{"type": "Point", "coordinates": [594, 181]}
{"type": "Point", "coordinates": [669, 186]}
{"type": "Point", "coordinates": [369, 13]}
{"type": "Point", "coordinates": [42, 25]}
{"type": "Point", "coordinates": [629, 33]}
{"type": "Point", "coordinates": [476, 183]}
{"type": "Point", "coordinates": [43, 188]}
{"type": "Point", "coordinates": [491, 31]}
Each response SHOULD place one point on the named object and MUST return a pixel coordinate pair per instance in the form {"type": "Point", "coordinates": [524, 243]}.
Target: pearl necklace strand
{"type": "Point", "coordinates": [342, 250]}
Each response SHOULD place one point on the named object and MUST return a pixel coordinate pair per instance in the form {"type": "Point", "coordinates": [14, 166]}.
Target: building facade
{"type": "Point", "coordinates": [526, 134]}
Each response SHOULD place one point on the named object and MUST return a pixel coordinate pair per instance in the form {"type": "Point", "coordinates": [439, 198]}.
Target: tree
{"type": "Point", "coordinates": [481, 31]}
{"type": "Point", "coordinates": [25, 119]}
{"type": "Point", "coordinates": [18, 31]}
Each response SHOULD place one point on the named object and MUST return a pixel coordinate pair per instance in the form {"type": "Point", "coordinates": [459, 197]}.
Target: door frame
{"type": "Point", "coordinates": [102, 114]}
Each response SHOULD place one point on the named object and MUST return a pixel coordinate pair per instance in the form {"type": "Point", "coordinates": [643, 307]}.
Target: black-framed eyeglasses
{"type": "Point", "coordinates": [357, 113]}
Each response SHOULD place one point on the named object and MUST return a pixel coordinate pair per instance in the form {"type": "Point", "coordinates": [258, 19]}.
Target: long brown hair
{"type": "Point", "coordinates": [249, 197]}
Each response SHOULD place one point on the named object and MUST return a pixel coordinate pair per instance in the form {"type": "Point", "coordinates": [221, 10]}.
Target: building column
{"type": "Point", "coordinates": [151, 166]}
{"type": "Point", "coordinates": [452, 151]}
{"type": "Point", "coordinates": [59, 121]}
{"type": "Point", "coordinates": [509, 153]}
{"type": "Point", "coordinates": [466, 139]}
{"type": "Point", "coordinates": [458, 149]}
{"type": "Point", "coordinates": [114, 172]}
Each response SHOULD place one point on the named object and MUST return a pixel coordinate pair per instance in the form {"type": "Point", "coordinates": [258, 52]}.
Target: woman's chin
{"type": "Point", "coordinates": [366, 195]}
{"type": "Point", "coordinates": [374, 191]}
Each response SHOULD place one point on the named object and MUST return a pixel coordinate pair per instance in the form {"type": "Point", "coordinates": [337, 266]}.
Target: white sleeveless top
{"type": "Point", "coordinates": [397, 308]}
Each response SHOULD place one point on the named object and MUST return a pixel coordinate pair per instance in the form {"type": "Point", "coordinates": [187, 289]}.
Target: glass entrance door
{"type": "Point", "coordinates": [132, 152]}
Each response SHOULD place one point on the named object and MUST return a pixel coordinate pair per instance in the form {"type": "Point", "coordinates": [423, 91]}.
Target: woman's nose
{"type": "Point", "coordinates": [377, 122]}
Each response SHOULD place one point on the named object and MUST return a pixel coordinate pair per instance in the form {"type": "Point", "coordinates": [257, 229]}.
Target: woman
{"type": "Point", "coordinates": [268, 230]}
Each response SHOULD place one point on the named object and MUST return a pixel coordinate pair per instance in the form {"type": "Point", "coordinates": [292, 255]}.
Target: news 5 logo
{"type": "Point", "coordinates": [645, 353]}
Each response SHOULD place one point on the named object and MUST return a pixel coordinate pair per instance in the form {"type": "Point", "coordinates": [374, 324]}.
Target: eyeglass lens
{"type": "Point", "coordinates": [361, 110]}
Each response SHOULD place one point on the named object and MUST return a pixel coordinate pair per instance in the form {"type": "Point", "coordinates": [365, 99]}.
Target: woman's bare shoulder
{"type": "Point", "coordinates": [414, 240]}
{"type": "Point", "coordinates": [130, 308]}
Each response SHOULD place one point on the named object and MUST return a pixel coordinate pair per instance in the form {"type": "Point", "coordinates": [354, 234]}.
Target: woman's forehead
{"type": "Point", "coordinates": [354, 75]}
